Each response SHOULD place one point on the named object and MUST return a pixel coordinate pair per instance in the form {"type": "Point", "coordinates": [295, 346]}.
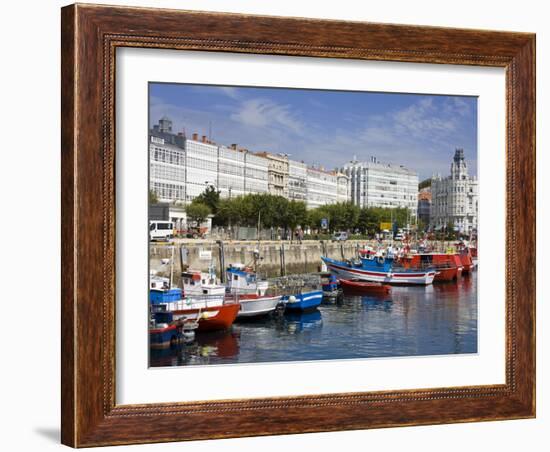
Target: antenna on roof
{"type": "Point", "coordinates": [209, 130]}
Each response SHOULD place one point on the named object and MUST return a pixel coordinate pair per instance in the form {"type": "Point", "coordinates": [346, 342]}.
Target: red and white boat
{"type": "Point", "coordinates": [211, 316]}
{"type": "Point", "coordinates": [377, 268]}
{"type": "Point", "coordinates": [202, 301]}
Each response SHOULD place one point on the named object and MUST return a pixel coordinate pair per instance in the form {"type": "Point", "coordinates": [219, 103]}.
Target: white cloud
{"type": "Point", "coordinates": [263, 113]}
{"type": "Point", "coordinates": [230, 91]}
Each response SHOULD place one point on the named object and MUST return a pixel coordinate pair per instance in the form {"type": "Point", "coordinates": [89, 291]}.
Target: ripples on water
{"type": "Point", "coordinates": [438, 319]}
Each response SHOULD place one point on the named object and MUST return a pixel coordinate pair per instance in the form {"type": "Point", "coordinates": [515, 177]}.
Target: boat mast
{"type": "Point", "coordinates": [171, 267]}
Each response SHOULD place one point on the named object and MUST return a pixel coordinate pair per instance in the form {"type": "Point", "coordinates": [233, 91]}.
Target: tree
{"type": "Point", "coordinates": [153, 198]}
{"type": "Point", "coordinates": [425, 183]}
{"type": "Point", "coordinates": [368, 221]}
{"type": "Point", "coordinates": [197, 212]}
{"type": "Point", "coordinates": [295, 214]}
{"type": "Point", "coordinates": [211, 197]}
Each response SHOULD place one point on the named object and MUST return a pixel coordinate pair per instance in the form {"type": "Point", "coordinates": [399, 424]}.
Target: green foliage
{"type": "Point", "coordinates": [348, 217]}
{"type": "Point", "coordinates": [210, 197]}
{"type": "Point", "coordinates": [197, 212]}
{"type": "Point", "coordinates": [278, 212]}
{"type": "Point", "coordinates": [425, 183]}
{"type": "Point", "coordinates": [270, 210]}
{"type": "Point", "coordinates": [153, 198]}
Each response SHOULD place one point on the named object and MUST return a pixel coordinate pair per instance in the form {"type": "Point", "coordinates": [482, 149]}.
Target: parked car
{"type": "Point", "coordinates": [340, 236]}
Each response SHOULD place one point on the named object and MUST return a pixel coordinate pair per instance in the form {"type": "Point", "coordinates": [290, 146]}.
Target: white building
{"type": "Point", "coordinates": [343, 193]}
{"type": "Point", "coordinates": [297, 180]}
{"type": "Point", "coordinates": [181, 168]}
{"type": "Point", "coordinates": [256, 174]}
{"type": "Point", "coordinates": [201, 165]}
{"type": "Point", "coordinates": [167, 170]}
{"type": "Point", "coordinates": [376, 184]}
{"type": "Point", "coordinates": [231, 170]}
{"type": "Point", "coordinates": [322, 187]}
{"type": "Point", "coordinates": [455, 198]}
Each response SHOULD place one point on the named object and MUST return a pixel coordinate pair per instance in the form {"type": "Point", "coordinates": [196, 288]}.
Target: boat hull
{"type": "Point", "coordinates": [307, 301]}
{"type": "Point", "coordinates": [252, 306]}
{"type": "Point", "coordinates": [447, 274]}
{"type": "Point", "coordinates": [395, 278]}
{"type": "Point", "coordinates": [212, 318]}
{"type": "Point", "coordinates": [364, 287]}
{"type": "Point", "coordinates": [467, 263]}
{"type": "Point", "coordinates": [169, 336]}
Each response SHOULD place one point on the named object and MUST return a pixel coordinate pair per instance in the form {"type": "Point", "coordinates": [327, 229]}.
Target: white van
{"type": "Point", "coordinates": [161, 230]}
{"type": "Point", "coordinates": [340, 236]}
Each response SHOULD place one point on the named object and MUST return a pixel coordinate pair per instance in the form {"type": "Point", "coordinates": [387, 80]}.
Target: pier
{"type": "Point", "coordinates": [272, 258]}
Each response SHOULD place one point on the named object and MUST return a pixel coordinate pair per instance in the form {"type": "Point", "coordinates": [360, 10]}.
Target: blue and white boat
{"type": "Point", "coordinates": [379, 269]}
{"type": "Point", "coordinates": [305, 301]}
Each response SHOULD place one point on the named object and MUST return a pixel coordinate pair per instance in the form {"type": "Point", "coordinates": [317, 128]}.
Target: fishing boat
{"type": "Point", "coordinates": [166, 332]}
{"type": "Point", "coordinates": [202, 299]}
{"type": "Point", "coordinates": [211, 310]}
{"type": "Point", "coordinates": [197, 283]}
{"type": "Point", "coordinates": [378, 268]}
{"type": "Point", "coordinates": [243, 280]}
{"type": "Point", "coordinates": [162, 291]}
{"type": "Point", "coordinates": [448, 266]}
{"type": "Point", "coordinates": [358, 287]}
{"type": "Point", "coordinates": [466, 253]}
{"type": "Point", "coordinates": [211, 314]}
{"type": "Point", "coordinates": [303, 301]}
{"type": "Point", "coordinates": [257, 305]}
{"type": "Point", "coordinates": [243, 285]}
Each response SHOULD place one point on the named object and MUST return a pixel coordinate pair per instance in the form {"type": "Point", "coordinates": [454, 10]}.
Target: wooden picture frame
{"type": "Point", "coordinates": [90, 36]}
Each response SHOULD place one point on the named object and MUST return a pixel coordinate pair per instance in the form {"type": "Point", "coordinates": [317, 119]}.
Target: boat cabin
{"type": "Point", "coordinates": [242, 279]}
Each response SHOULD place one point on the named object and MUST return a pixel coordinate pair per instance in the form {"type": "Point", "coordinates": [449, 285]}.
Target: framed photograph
{"type": "Point", "coordinates": [282, 225]}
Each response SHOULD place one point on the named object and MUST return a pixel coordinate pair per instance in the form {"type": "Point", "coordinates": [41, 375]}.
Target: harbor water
{"type": "Point", "coordinates": [438, 319]}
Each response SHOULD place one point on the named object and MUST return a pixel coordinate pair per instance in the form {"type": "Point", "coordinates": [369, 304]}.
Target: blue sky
{"type": "Point", "coordinates": [327, 128]}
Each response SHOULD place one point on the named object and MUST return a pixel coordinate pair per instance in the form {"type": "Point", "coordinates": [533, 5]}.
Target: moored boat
{"type": "Point", "coordinates": [219, 315]}
{"type": "Point", "coordinates": [447, 266]}
{"type": "Point", "coordinates": [166, 332]}
{"type": "Point", "coordinates": [303, 301]}
{"type": "Point", "coordinates": [243, 280]}
{"type": "Point", "coordinates": [351, 286]}
{"type": "Point", "coordinates": [244, 285]}
{"type": "Point", "coordinates": [197, 283]}
{"type": "Point", "coordinates": [467, 262]}
{"type": "Point", "coordinates": [257, 305]}
{"type": "Point", "coordinates": [379, 269]}
{"type": "Point", "coordinates": [211, 310]}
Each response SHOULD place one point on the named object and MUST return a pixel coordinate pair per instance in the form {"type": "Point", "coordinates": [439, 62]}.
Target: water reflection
{"type": "Point", "coordinates": [432, 320]}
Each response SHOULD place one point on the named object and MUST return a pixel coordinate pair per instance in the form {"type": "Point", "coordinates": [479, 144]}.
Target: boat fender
{"type": "Point", "coordinates": [292, 299]}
